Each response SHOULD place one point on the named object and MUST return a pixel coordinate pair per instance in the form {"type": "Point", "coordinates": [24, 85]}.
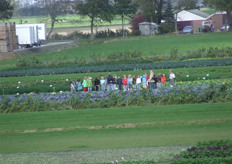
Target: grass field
{"type": "Point", "coordinates": [149, 46]}
{"type": "Point", "coordinates": [114, 128]}
{"type": "Point", "coordinates": [67, 21]}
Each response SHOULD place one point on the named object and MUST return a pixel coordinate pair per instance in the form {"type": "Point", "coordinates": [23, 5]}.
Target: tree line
{"type": "Point", "coordinates": [106, 10]}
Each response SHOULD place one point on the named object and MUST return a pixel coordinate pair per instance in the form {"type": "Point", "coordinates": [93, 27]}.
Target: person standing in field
{"type": "Point", "coordinates": [84, 84]}
{"type": "Point", "coordinates": [151, 80]}
{"type": "Point", "coordinates": [144, 80]}
{"type": "Point", "coordinates": [129, 82]}
{"type": "Point", "coordinates": [124, 82]}
{"type": "Point", "coordinates": [78, 85]}
{"type": "Point", "coordinates": [109, 82]}
{"type": "Point", "coordinates": [72, 87]}
{"type": "Point", "coordinates": [119, 82]}
{"type": "Point", "coordinates": [171, 78]}
{"type": "Point", "coordinates": [96, 84]}
{"type": "Point", "coordinates": [138, 82]}
{"type": "Point", "coordinates": [103, 83]}
{"type": "Point", "coordinates": [158, 83]}
{"type": "Point", "coordinates": [134, 82]}
{"type": "Point", "coordinates": [114, 82]}
{"type": "Point", "coordinates": [89, 84]}
{"type": "Point", "coordinates": [163, 80]}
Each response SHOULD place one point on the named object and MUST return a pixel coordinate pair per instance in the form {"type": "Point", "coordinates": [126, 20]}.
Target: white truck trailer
{"type": "Point", "coordinates": [30, 35]}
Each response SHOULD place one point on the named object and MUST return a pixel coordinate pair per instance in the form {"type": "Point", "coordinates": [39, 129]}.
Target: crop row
{"type": "Point", "coordinates": [37, 86]}
{"type": "Point", "coordinates": [67, 101]}
{"type": "Point", "coordinates": [211, 160]}
{"type": "Point", "coordinates": [118, 67]}
{"type": "Point", "coordinates": [209, 154]}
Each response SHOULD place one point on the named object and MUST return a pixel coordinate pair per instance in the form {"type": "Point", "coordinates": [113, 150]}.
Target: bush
{"type": "Point", "coordinates": [166, 28]}
{"type": "Point", "coordinates": [136, 20]}
{"type": "Point", "coordinates": [207, 152]}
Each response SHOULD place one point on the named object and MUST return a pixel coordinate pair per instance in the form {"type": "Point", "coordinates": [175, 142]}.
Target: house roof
{"type": "Point", "coordinates": [199, 13]}
{"type": "Point", "coordinates": [191, 15]}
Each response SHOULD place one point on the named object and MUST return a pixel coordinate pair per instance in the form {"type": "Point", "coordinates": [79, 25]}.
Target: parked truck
{"type": "Point", "coordinates": [30, 35]}
{"type": "Point", "coordinates": [207, 26]}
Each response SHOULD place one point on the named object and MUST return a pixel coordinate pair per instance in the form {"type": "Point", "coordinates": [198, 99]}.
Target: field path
{"type": "Point", "coordinates": [158, 154]}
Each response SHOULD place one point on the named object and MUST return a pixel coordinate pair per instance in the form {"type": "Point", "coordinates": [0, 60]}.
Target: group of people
{"type": "Point", "coordinates": [112, 82]}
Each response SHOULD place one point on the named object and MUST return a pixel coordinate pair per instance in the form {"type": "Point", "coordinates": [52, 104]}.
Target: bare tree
{"type": "Point", "coordinates": [95, 9]}
{"type": "Point", "coordinates": [54, 7]}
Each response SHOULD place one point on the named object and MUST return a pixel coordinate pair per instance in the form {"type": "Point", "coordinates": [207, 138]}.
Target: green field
{"type": "Point", "coordinates": [149, 46]}
{"type": "Point", "coordinates": [67, 21]}
{"type": "Point", "coordinates": [114, 128]}
{"type": "Point", "coordinates": [99, 135]}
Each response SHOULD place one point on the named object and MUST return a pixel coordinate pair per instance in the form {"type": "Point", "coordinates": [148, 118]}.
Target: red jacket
{"type": "Point", "coordinates": [124, 81]}
{"type": "Point", "coordinates": [163, 79]}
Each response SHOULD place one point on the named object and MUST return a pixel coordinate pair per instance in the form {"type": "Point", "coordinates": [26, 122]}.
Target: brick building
{"type": "Point", "coordinates": [195, 18]}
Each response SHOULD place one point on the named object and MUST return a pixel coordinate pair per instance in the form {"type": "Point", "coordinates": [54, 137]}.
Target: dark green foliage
{"type": "Point", "coordinates": [207, 152]}
{"type": "Point", "coordinates": [6, 10]}
{"type": "Point", "coordinates": [95, 9]}
{"type": "Point", "coordinates": [168, 12]}
{"type": "Point", "coordinates": [166, 28]}
{"type": "Point", "coordinates": [204, 161]}
{"type": "Point", "coordinates": [118, 67]}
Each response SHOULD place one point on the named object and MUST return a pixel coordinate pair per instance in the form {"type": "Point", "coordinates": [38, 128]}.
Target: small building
{"type": "Point", "coordinates": [148, 28]}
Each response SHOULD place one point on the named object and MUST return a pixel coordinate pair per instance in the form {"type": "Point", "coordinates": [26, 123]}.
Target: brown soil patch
{"type": "Point", "coordinates": [53, 130]}
{"type": "Point", "coordinates": [126, 125]}
{"type": "Point", "coordinates": [30, 131]}
{"type": "Point", "coordinates": [5, 56]}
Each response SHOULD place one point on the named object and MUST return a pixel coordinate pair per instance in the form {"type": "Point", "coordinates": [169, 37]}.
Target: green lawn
{"type": "Point", "coordinates": [150, 46]}
{"type": "Point", "coordinates": [114, 128]}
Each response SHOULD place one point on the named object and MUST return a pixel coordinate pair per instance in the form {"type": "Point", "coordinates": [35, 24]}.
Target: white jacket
{"type": "Point", "coordinates": [172, 76]}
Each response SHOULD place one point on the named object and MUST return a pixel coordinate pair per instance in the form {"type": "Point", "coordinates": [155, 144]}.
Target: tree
{"type": "Point", "coordinates": [136, 20]}
{"type": "Point", "coordinates": [222, 5]}
{"type": "Point", "coordinates": [183, 5]}
{"type": "Point", "coordinates": [6, 10]}
{"type": "Point", "coordinates": [168, 12]}
{"type": "Point", "coordinates": [152, 9]}
{"type": "Point", "coordinates": [124, 8]}
{"type": "Point", "coordinates": [94, 9]}
{"type": "Point", "coordinates": [53, 7]}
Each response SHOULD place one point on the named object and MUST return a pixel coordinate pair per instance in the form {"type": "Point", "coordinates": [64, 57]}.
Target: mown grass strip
{"type": "Point", "coordinates": [145, 136]}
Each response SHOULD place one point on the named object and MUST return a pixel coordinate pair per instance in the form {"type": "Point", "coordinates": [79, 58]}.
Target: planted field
{"type": "Point", "coordinates": [114, 128]}
{"type": "Point", "coordinates": [39, 84]}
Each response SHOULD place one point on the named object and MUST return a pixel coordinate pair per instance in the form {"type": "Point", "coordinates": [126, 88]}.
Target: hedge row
{"type": "Point", "coordinates": [119, 67]}
{"type": "Point", "coordinates": [207, 152]}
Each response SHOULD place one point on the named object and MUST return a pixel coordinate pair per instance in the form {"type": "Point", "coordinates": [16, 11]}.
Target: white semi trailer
{"type": "Point", "coordinates": [30, 35]}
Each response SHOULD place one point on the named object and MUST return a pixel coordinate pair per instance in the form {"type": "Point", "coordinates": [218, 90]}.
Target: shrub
{"type": "Point", "coordinates": [136, 20]}
{"type": "Point", "coordinates": [207, 152]}
{"type": "Point", "coordinates": [166, 28]}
